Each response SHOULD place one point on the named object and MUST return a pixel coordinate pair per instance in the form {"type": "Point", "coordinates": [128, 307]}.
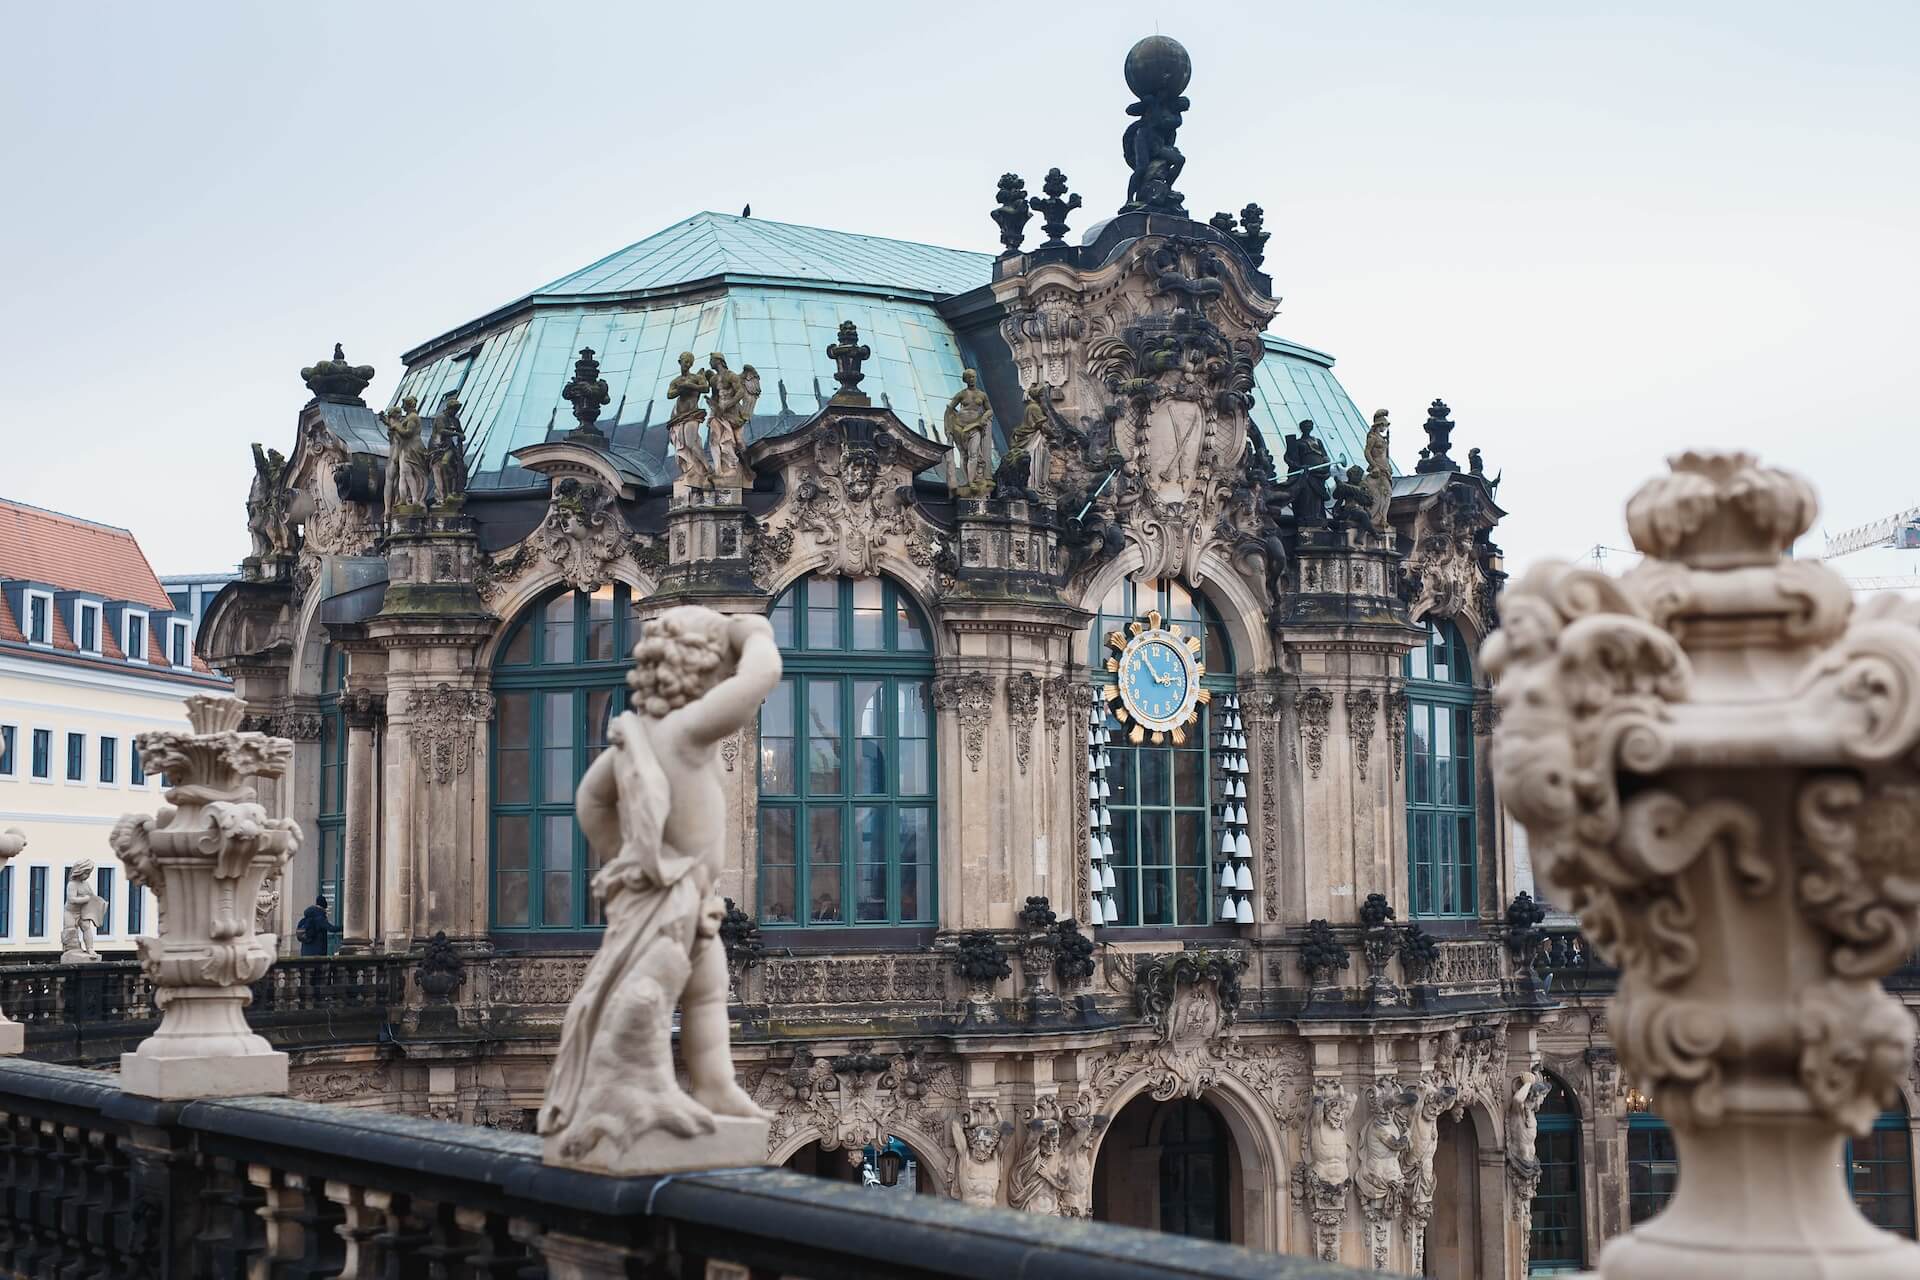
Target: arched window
{"type": "Point", "coordinates": [1163, 800]}
{"type": "Point", "coordinates": [1441, 830]}
{"type": "Point", "coordinates": [558, 682]}
{"type": "Point", "coordinates": [847, 776]}
{"type": "Point", "coordinates": [1879, 1169]}
{"type": "Point", "coordinates": [330, 819]}
{"type": "Point", "coordinates": [1653, 1165]}
{"type": "Point", "coordinates": [1558, 1243]}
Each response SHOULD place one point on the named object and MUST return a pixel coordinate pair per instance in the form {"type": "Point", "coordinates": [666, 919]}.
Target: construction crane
{"type": "Point", "coordinates": [1901, 529]}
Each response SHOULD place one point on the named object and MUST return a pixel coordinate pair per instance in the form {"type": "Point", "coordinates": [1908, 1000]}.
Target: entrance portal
{"type": "Point", "coordinates": [1453, 1234]}
{"type": "Point", "coordinates": [1169, 1166]}
{"type": "Point", "coordinates": [866, 1167]}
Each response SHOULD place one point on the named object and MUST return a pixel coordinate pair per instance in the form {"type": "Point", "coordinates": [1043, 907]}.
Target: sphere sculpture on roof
{"type": "Point", "coordinates": [1158, 66]}
{"type": "Point", "coordinates": [1157, 71]}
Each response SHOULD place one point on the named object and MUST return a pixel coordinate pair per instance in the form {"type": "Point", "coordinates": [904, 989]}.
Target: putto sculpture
{"type": "Point", "coordinates": [205, 855]}
{"type": "Point", "coordinates": [82, 912]}
{"type": "Point", "coordinates": [969, 423]}
{"type": "Point", "coordinates": [653, 810]}
{"type": "Point", "coordinates": [1714, 757]}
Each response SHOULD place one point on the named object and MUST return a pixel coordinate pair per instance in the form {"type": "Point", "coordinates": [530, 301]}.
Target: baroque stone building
{"type": "Point", "coordinates": [1121, 841]}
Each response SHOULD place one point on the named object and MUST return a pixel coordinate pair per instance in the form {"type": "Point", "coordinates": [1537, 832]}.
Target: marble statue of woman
{"type": "Point", "coordinates": [969, 423]}
{"type": "Point", "coordinates": [82, 913]}
{"type": "Point", "coordinates": [406, 460]}
{"type": "Point", "coordinates": [653, 810]}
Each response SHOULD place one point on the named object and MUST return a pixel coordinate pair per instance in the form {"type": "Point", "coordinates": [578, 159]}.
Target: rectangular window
{"type": "Point", "coordinates": [133, 640]}
{"type": "Point", "coordinates": [109, 758]}
{"type": "Point", "coordinates": [1160, 809]}
{"type": "Point", "coordinates": [86, 626]}
{"type": "Point", "coordinates": [136, 910]}
{"type": "Point", "coordinates": [1879, 1173]}
{"type": "Point", "coordinates": [6, 902]}
{"type": "Point", "coordinates": [36, 902]}
{"type": "Point", "coordinates": [43, 753]}
{"type": "Point", "coordinates": [39, 617]}
{"type": "Point", "coordinates": [76, 757]}
{"type": "Point", "coordinates": [9, 738]}
{"type": "Point", "coordinates": [1441, 832]}
{"type": "Point", "coordinates": [1653, 1166]}
{"type": "Point", "coordinates": [103, 881]}
{"type": "Point", "coordinates": [136, 773]}
{"type": "Point", "coordinates": [179, 648]}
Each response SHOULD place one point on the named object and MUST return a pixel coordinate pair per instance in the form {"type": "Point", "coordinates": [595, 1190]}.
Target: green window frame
{"type": "Point", "coordinates": [1879, 1173]}
{"type": "Point", "coordinates": [330, 819]}
{"type": "Point", "coordinates": [1558, 1239]}
{"type": "Point", "coordinates": [1164, 798]}
{"type": "Point", "coordinates": [558, 682]}
{"type": "Point", "coordinates": [1653, 1166]}
{"type": "Point", "coordinates": [848, 777]}
{"type": "Point", "coordinates": [1442, 824]}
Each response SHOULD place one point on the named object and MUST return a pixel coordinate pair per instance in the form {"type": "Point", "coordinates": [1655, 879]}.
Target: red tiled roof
{"type": "Point", "coordinates": [76, 555]}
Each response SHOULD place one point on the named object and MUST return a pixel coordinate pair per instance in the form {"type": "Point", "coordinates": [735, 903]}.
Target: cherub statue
{"type": "Point", "coordinates": [977, 1139]}
{"type": "Point", "coordinates": [266, 907]}
{"type": "Point", "coordinates": [81, 914]}
{"type": "Point", "coordinates": [970, 427]}
{"type": "Point", "coordinates": [654, 812]}
{"type": "Point", "coordinates": [1379, 470]}
{"type": "Point", "coordinates": [406, 492]}
{"type": "Point", "coordinates": [449, 457]}
{"type": "Point", "coordinates": [267, 504]}
{"type": "Point", "coordinates": [684, 430]}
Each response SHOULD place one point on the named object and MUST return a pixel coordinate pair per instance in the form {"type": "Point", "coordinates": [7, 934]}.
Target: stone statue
{"type": "Point", "coordinates": [977, 1141]}
{"type": "Point", "coordinates": [1040, 1183]}
{"type": "Point", "coordinates": [684, 430]}
{"type": "Point", "coordinates": [653, 809]}
{"type": "Point", "coordinates": [1351, 501]}
{"type": "Point", "coordinates": [1306, 479]}
{"type": "Point", "coordinates": [448, 458]}
{"type": "Point", "coordinates": [267, 521]}
{"type": "Point", "coordinates": [970, 428]}
{"type": "Point", "coordinates": [1379, 480]}
{"type": "Point", "coordinates": [266, 908]}
{"type": "Point", "coordinates": [1530, 1089]}
{"type": "Point", "coordinates": [730, 401]}
{"type": "Point", "coordinates": [1157, 70]}
{"type": "Point", "coordinates": [1325, 1171]}
{"type": "Point", "coordinates": [406, 493]}
{"type": "Point", "coordinates": [1378, 1176]}
{"type": "Point", "coordinates": [82, 913]}
{"type": "Point", "coordinates": [1433, 1098]}
{"type": "Point", "coordinates": [1083, 1133]}
{"type": "Point", "coordinates": [1030, 441]}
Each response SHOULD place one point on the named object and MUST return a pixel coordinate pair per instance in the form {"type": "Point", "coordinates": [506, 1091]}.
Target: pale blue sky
{"type": "Point", "coordinates": [1599, 238]}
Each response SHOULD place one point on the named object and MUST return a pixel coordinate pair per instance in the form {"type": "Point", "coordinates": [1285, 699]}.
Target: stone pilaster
{"type": "Point", "coordinates": [364, 711]}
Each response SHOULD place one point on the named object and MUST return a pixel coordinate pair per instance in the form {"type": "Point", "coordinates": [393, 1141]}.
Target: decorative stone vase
{"type": "Point", "coordinates": [205, 856]}
{"type": "Point", "coordinates": [1714, 758]}
{"type": "Point", "coordinates": [13, 1036]}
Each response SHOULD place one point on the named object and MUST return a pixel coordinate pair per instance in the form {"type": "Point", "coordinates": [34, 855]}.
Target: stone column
{"type": "Point", "coordinates": [363, 711]}
{"type": "Point", "coordinates": [1714, 756]}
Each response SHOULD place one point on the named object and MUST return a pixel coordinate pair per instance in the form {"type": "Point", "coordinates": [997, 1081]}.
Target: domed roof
{"type": "Point", "coordinates": [771, 295]}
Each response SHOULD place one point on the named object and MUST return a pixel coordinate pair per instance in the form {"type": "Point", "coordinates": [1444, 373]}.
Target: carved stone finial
{"type": "Point", "coordinates": [205, 856]}
{"type": "Point", "coordinates": [847, 355]}
{"type": "Point", "coordinates": [1053, 208]}
{"type": "Point", "coordinates": [1720, 510]}
{"type": "Point", "coordinates": [587, 393]}
{"type": "Point", "coordinates": [336, 380]}
{"type": "Point", "coordinates": [441, 972]}
{"type": "Point", "coordinates": [1223, 223]}
{"type": "Point", "coordinates": [1157, 70]}
{"type": "Point", "coordinates": [1012, 213]}
{"type": "Point", "coordinates": [1439, 428]}
{"type": "Point", "coordinates": [613, 1103]}
{"type": "Point", "coordinates": [1253, 235]}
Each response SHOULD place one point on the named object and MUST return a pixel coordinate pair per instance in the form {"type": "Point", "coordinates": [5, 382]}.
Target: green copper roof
{"type": "Point", "coordinates": [714, 244]}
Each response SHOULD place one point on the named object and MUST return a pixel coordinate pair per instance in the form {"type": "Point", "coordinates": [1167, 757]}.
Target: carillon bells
{"type": "Point", "coordinates": [1236, 851]}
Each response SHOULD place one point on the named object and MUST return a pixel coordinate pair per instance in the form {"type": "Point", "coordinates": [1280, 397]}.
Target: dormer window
{"type": "Point", "coordinates": [86, 626]}
{"type": "Point", "coordinates": [39, 617]}
{"type": "Point", "coordinates": [179, 643]}
{"type": "Point", "coordinates": [133, 638]}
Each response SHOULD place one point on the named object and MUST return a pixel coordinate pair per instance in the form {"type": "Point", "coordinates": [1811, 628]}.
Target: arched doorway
{"type": "Point", "coordinates": [1453, 1233]}
{"type": "Point", "coordinates": [866, 1167]}
{"type": "Point", "coordinates": [1557, 1242]}
{"type": "Point", "coordinates": [1169, 1166]}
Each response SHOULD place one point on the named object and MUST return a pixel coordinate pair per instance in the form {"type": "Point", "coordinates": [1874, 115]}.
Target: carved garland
{"type": "Point", "coordinates": [1313, 707]}
{"type": "Point", "coordinates": [1023, 703]}
{"type": "Point", "coordinates": [1363, 709]}
{"type": "Point", "coordinates": [1397, 728]}
{"type": "Point", "coordinates": [970, 696]}
{"type": "Point", "coordinates": [442, 720]}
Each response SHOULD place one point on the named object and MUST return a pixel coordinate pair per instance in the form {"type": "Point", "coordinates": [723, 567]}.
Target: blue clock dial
{"type": "Point", "coordinates": [1154, 678]}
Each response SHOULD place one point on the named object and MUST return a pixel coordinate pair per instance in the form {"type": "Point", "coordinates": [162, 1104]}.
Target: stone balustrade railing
{"type": "Point", "coordinates": [91, 1013]}
{"type": "Point", "coordinates": [102, 1183]}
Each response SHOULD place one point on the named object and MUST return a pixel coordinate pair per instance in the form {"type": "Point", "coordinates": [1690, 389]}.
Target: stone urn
{"type": "Point", "coordinates": [205, 856]}
{"type": "Point", "coordinates": [1714, 757]}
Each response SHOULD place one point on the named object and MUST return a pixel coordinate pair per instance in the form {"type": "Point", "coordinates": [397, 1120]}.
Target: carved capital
{"type": "Point", "coordinates": [443, 722]}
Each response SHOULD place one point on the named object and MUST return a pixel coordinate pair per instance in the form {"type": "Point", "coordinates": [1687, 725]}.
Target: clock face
{"type": "Point", "coordinates": [1156, 680]}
